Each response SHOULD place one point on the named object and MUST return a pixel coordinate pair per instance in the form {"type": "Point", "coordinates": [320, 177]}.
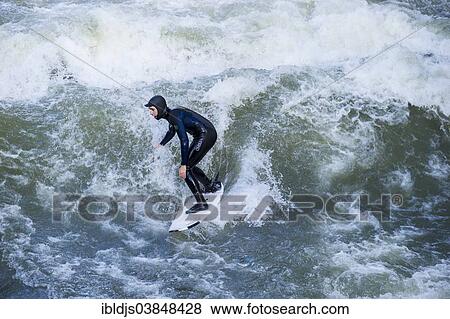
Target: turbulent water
{"type": "Point", "coordinates": [257, 69]}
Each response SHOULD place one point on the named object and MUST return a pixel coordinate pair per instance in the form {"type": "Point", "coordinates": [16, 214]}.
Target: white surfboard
{"type": "Point", "coordinates": [186, 221]}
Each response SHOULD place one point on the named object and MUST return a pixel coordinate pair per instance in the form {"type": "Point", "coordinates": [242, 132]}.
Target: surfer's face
{"type": "Point", "coordinates": [153, 111]}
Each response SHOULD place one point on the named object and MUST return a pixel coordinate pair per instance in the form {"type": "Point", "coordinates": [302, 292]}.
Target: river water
{"type": "Point", "coordinates": [256, 69]}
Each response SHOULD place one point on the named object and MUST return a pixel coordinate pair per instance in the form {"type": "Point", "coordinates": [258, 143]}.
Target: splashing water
{"type": "Point", "coordinates": [246, 65]}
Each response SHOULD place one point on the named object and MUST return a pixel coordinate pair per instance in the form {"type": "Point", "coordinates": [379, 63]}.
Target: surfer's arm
{"type": "Point", "coordinates": [184, 143]}
{"type": "Point", "coordinates": [170, 133]}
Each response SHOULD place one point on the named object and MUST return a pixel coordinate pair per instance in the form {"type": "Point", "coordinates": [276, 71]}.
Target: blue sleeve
{"type": "Point", "coordinates": [170, 133]}
{"type": "Point", "coordinates": [184, 143]}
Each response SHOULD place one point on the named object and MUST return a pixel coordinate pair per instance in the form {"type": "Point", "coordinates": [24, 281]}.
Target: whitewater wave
{"type": "Point", "coordinates": [248, 66]}
{"type": "Point", "coordinates": [135, 43]}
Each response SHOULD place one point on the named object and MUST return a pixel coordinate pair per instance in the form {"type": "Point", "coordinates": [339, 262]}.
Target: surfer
{"type": "Point", "coordinates": [183, 121]}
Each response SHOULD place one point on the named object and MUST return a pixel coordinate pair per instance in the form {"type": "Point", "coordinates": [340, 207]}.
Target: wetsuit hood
{"type": "Point", "coordinates": [160, 104]}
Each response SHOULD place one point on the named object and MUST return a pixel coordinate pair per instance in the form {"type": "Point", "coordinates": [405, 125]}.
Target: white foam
{"type": "Point", "coordinates": [134, 42]}
{"type": "Point", "coordinates": [255, 180]}
{"type": "Point", "coordinates": [399, 178]}
{"type": "Point", "coordinates": [232, 90]}
{"type": "Point", "coordinates": [437, 167]}
{"type": "Point", "coordinates": [227, 93]}
{"type": "Point", "coordinates": [44, 194]}
{"type": "Point", "coordinates": [430, 282]}
{"type": "Point", "coordinates": [131, 285]}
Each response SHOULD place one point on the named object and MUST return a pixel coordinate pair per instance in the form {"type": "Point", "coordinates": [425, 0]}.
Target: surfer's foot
{"type": "Point", "coordinates": [197, 208]}
{"type": "Point", "coordinates": [213, 187]}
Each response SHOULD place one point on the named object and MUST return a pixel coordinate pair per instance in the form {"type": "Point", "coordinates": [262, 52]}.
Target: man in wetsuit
{"type": "Point", "coordinates": [182, 121]}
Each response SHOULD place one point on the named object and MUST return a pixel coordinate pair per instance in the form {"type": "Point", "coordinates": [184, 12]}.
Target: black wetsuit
{"type": "Point", "coordinates": [183, 121]}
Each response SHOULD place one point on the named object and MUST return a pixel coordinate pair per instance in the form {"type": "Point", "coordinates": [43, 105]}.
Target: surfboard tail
{"type": "Point", "coordinates": [186, 221]}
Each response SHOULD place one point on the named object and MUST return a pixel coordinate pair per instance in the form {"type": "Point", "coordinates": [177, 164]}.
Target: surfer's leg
{"type": "Point", "coordinates": [201, 176]}
{"type": "Point", "coordinates": [192, 180]}
{"type": "Point", "coordinates": [200, 146]}
{"type": "Point", "coordinates": [195, 188]}
{"type": "Point", "coordinates": [196, 179]}
{"type": "Point", "coordinates": [206, 185]}
{"type": "Point", "coordinates": [197, 150]}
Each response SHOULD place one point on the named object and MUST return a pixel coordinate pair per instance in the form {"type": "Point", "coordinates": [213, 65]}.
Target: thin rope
{"type": "Point", "coordinates": [87, 63]}
{"type": "Point", "coordinates": [389, 47]}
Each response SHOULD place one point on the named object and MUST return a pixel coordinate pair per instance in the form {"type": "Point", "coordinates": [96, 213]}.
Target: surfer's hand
{"type": "Point", "coordinates": [182, 171]}
{"type": "Point", "coordinates": [157, 145]}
